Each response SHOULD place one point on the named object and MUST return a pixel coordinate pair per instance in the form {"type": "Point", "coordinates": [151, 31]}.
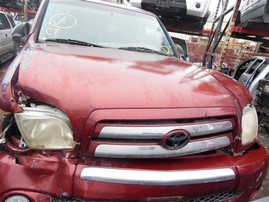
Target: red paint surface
{"type": "Point", "coordinates": [93, 85]}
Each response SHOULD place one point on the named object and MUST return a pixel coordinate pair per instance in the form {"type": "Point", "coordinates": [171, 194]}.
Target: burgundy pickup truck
{"type": "Point", "coordinates": [100, 107]}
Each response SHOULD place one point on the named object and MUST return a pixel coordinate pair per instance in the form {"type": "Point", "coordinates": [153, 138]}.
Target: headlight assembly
{"type": "Point", "coordinates": [45, 127]}
{"type": "Point", "coordinates": [249, 125]}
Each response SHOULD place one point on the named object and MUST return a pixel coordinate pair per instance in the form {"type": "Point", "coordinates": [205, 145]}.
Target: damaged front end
{"type": "Point", "coordinates": [37, 149]}
{"type": "Point", "coordinates": [37, 127]}
{"type": "Point", "coordinates": [31, 124]}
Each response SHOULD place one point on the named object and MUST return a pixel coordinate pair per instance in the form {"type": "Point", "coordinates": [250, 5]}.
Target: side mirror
{"type": "Point", "coordinates": [179, 49]}
{"type": "Point", "coordinates": [20, 33]}
{"type": "Point", "coordinates": [17, 38]}
{"type": "Point", "coordinates": [182, 53]}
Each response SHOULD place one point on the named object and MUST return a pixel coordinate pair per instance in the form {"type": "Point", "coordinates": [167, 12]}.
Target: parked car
{"type": "Point", "coordinates": [135, 3]}
{"type": "Point", "coordinates": [20, 33]}
{"type": "Point", "coordinates": [251, 71]}
{"type": "Point", "coordinates": [192, 12]}
{"type": "Point", "coordinates": [18, 5]}
{"type": "Point", "coordinates": [262, 102]}
{"type": "Point", "coordinates": [19, 17]}
{"type": "Point", "coordinates": [253, 11]}
{"type": "Point", "coordinates": [7, 46]}
{"type": "Point", "coordinates": [104, 109]}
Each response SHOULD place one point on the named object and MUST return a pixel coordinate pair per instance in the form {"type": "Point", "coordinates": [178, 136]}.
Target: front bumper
{"type": "Point", "coordinates": [221, 176]}
{"type": "Point", "coordinates": [185, 178]}
{"type": "Point", "coordinates": [156, 178]}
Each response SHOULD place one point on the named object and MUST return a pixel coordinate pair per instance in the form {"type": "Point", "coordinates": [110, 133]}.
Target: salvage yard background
{"type": "Point", "coordinates": [263, 137]}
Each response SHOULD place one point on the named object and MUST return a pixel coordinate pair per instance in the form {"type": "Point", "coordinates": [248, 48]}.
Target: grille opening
{"type": "Point", "coordinates": [148, 139]}
{"type": "Point", "coordinates": [211, 198]}
{"type": "Point", "coordinates": [214, 198]}
{"type": "Point", "coordinates": [66, 200]}
{"type": "Point", "coordinates": [157, 140]}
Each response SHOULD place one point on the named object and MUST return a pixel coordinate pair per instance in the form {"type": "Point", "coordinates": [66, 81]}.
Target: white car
{"type": "Point", "coordinates": [135, 3]}
{"type": "Point", "coordinates": [253, 11]}
{"type": "Point", "coordinates": [126, 2]}
{"type": "Point", "coordinates": [190, 11]}
{"type": "Point", "coordinates": [7, 46]}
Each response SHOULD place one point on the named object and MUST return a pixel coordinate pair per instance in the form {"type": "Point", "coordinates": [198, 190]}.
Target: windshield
{"type": "Point", "coordinates": [99, 25]}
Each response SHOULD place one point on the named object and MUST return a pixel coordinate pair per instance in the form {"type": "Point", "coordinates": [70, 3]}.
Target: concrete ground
{"type": "Point", "coordinates": [264, 190]}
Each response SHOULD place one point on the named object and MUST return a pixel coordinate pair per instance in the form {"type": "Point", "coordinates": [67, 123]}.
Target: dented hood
{"type": "Point", "coordinates": [91, 78]}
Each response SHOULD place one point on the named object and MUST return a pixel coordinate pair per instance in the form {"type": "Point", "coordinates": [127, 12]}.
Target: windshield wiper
{"type": "Point", "coordinates": [73, 42]}
{"type": "Point", "coordinates": [142, 49]}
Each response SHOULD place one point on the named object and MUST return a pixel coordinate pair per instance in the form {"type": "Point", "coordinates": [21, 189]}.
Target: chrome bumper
{"type": "Point", "coordinates": [156, 178]}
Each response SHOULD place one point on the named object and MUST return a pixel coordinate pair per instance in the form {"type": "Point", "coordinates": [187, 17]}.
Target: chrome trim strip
{"type": "Point", "coordinates": [157, 151]}
{"type": "Point", "coordinates": [157, 178]}
{"type": "Point", "coordinates": [158, 132]}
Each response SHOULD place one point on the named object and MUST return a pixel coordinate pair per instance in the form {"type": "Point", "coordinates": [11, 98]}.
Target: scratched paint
{"type": "Point", "coordinates": [25, 62]}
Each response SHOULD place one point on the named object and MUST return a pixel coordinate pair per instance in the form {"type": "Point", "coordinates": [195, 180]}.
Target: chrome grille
{"type": "Point", "coordinates": [157, 151]}
{"type": "Point", "coordinates": [144, 140]}
{"type": "Point", "coordinates": [157, 132]}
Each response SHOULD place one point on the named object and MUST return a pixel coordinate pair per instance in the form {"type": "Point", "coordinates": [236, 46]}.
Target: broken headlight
{"type": "Point", "coordinates": [45, 127]}
{"type": "Point", "coordinates": [249, 125]}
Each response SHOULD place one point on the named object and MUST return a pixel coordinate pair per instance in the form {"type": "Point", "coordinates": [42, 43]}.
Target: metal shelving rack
{"type": "Point", "coordinates": [255, 32]}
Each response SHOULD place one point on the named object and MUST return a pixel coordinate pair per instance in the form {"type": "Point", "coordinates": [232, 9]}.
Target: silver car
{"type": "Point", "coordinates": [7, 47]}
{"type": "Point", "coordinates": [253, 11]}
{"type": "Point", "coordinates": [250, 72]}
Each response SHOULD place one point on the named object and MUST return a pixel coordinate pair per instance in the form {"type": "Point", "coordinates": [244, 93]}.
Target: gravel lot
{"type": "Point", "coordinates": [263, 137]}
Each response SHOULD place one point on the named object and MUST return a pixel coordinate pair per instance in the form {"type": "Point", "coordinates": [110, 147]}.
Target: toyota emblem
{"type": "Point", "coordinates": [176, 139]}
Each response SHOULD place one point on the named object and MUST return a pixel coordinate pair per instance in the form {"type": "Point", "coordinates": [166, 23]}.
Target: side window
{"type": "Point", "coordinates": [242, 68]}
{"type": "Point", "coordinates": [267, 76]}
{"type": "Point", "coordinates": [4, 21]}
{"type": "Point", "coordinates": [11, 20]}
{"type": "Point", "coordinates": [259, 70]}
{"type": "Point", "coordinates": [255, 70]}
{"type": "Point", "coordinates": [256, 73]}
{"type": "Point", "coordinates": [253, 67]}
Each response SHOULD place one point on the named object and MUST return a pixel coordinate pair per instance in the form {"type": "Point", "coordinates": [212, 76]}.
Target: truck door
{"type": "Point", "coordinates": [6, 42]}
{"type": "Point", "coordinates": [256, 76]}
{"type": "Point", "coordinates": [242, 68]}
{"type": "Point", "coordinates": [247, 75]}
